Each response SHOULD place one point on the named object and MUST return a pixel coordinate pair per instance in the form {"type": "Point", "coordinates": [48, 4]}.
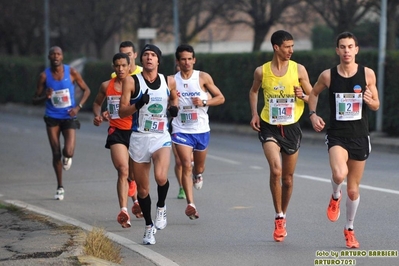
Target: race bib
{"type": "Point", "coordinates": [154, 123]}
{"type": "Point", "coordinates": [61, 98]}
{"type": "Point", "coordinates": [281, 110]}
{"type": "Point", "coordinates": [188, 115]}
{"type": "Point", "coordinates": [348, 106]}
{"type": "Point", "coordinates": [113, 106]}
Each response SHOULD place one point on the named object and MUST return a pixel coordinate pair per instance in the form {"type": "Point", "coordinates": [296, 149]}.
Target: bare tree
{"type": "Point", "coordinates": [193, 22]}
{"type": "Point", "coordinates": [91, 21]}
{"type": "Point", "coordinates": [260, 15]}
{"type": "Point", "coordinates": [149, 14]}
{"type": "Point", "coordinates": [21, 26]}
{"type": "Point", "coordinates": [343, 15]}
{"type": "Point", "coordinates": [194, 17]}
{"type": "Point", "coordinates": [393, 27]}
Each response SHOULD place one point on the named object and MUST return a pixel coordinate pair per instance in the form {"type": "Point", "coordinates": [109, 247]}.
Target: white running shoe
{"type": "Point", "coordinates": [66, 163]}
{"type": "Point", "coordinates": [197, 181]}
{"type": "Point", "coordinates": [149, 233]}
{"type": "Point", "coordinates": [160, 219]}
{"type": "Point", "coordinates": [59, 195]}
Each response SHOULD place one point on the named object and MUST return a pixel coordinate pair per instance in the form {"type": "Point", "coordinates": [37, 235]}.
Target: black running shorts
{"type": "Point", "coordinates": [287, 137]}
{"type": "Point", "coordinates": [72, 123]}
{"type": "Point", "coordinates": [358, 148]}
{"type": "Point", "coordinates": [118, 136]}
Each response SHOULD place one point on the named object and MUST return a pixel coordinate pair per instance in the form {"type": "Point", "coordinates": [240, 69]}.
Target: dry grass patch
{"type": "Point", "coordinates": [98, 245]}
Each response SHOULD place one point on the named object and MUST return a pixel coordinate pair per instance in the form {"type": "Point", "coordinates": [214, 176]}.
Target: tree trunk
{"type": "Point", "coordinates": [392, 25]}
{"type": "Point", "coordinates": [260, 34]}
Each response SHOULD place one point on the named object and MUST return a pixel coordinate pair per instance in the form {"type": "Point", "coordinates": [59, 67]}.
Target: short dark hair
{"type": "Point", "coordinates": [120, 56]}
{"type": "Point", "coordinates": [347, 34]}
{"type": "Point", "coordinates": [280, 36]}
{"type": "Point", "coordinates": [54, 48]}
{"type": "Point", "coordinates": [184, 48]}
{"type": "Point", "coordinates": [127, 44]}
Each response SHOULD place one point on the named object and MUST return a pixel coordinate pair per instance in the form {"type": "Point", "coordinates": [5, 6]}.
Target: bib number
{"type": "Point", "coordinates": [348, 106]}
{"type": "Point", "coordinates": [281, 111]}
{"type": "Point", "coordinates": [188, 116]}
{"type": "Point", "coordinates": [154, 124]}
{"type": "Point", "coordinates": [113, 106]}
{"type": "Point", "coordinates": [61, 98]}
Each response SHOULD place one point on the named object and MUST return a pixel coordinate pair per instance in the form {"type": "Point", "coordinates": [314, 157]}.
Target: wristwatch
{"type": "Point", "coordinates": [311, 112]}
{"type": "Point", "coordinates": [204, 103]}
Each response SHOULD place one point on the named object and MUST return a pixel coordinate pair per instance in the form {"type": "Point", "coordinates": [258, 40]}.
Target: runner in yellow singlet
{"type": "Point", "coordinates": [286, 86]}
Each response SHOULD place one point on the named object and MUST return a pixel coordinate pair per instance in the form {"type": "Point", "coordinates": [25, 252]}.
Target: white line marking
{"type": "Point", "coordinates": [361, 186]}
{"type": "Point", "coordinates": [141, 249]}
{"type": "Point", "coordinates": [222, 159]}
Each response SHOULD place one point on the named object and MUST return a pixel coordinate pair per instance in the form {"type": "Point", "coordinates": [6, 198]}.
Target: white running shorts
{"type": "Point", "coordinates": [142, 145]}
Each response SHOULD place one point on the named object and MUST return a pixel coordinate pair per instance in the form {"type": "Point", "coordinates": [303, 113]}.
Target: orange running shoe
{"type": "Point", "coordinates": [351, 241]}
{"type": "Point", "coordinates": [132, 188]}
{"type": "Point", "coordinates": [279, 229]}
{"type": "Point", "coordinates": [124, 219]}
{"type": "Point", "coordinates": [333, 211]}
{"type": "Point", "coordinates": [191, 212]}
{"type": "Point", "coordinates": [136, 210]}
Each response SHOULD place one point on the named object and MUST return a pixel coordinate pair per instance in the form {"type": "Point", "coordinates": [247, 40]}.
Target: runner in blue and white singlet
{"type": "Point", "coordinates": [190, 129]}
{"type": "Point", "coordinates": [191, 118]}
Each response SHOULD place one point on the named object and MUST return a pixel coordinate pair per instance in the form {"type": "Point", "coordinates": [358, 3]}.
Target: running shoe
{"type": "Point", "coordinates": [136, 210]}
{"type": "Point", "coordinates": [124, 219]}
{"type": "Point", "coordinates": [149, 233]}
{"type": "Point", "coordinates": [132, 188]}
{"type": "Point", "coordinates": [66, 163]}
{"type": "Point", "coordinates": [59, 194]}
{"type": "Point", "coordinates": [191, 212]}
{"type": "Point", "coordinates": [351, 241]}
{"type": "Point", "coordinates": [279, 229]}
{"type": "Point", "coordinates": [182, 194]}
{"type": "Point", "coordinates": [160, 219]}
{"type": "Point", "coordinates": [197, 181]}
{"type": "Point", "coordinates": [333, 211]}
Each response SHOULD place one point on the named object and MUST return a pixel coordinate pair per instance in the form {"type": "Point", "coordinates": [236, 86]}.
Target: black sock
{"type": "Point", "coordinates": [145, 205]}
{"type": "Point", "coordinates": [162, 192]}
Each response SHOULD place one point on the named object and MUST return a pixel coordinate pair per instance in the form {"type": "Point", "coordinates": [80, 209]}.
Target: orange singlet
{"type": "Point", "coordinates": [113, 98]}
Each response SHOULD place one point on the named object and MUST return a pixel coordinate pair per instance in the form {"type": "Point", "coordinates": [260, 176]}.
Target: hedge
{"type": "Point", "coordinates": [232, 73]}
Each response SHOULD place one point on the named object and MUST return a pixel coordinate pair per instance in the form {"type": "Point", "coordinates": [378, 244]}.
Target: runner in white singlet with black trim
{"type": "Point", "coordinates": [148, 96]}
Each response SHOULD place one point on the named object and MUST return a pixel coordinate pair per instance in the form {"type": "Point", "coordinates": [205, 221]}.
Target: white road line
{"type": "Point", "coordinates": [217, 158]}
{"type": "Point", "coordinates": [254, 167]}
{"type": "Point", "coordinates": [141, 249]}
{"type": "Point", "coordinates": [385, 190]}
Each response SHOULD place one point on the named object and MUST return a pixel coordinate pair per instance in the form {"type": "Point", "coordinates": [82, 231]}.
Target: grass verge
{"type": "Point", "coordinates": [98, 245]}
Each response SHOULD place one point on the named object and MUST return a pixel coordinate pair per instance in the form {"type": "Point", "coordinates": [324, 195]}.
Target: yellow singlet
{"type": "Point", "coordinates": [281, 105]}
{"type": "Point", "coordinates": [139, 69]}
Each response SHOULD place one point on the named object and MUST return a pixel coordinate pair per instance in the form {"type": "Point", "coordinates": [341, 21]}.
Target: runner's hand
{"type": "Point", "coordinates": [145, 98]}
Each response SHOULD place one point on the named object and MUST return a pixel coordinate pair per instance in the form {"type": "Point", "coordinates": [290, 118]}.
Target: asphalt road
{"type": "Point", "coordinates": [236, 214]}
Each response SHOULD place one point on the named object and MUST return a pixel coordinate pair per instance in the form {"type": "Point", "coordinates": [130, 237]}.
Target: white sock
{"type": "Point", "coordinates": [351, 208]}
{"type": "Point", "coordinates": [336, 189]}
{"type": "Point", "coordinates": [280, 214]}
{"type": "Point", "coordinates": [124, 209]}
